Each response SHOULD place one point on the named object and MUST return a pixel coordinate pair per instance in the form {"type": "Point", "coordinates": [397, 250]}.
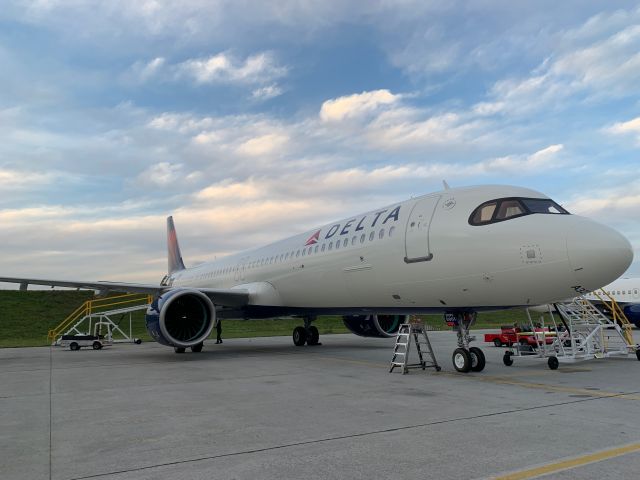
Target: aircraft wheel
{"type": "Point", "coordinates": [313, 335]}
{"type": "Point", "coordinates": [74, 346]}
{"type": "Point", "coordinates": [477, 359]}
{"type": "Point", "coordinates": [137, 341]}
{"type": "Point", "coordinates": [179, 349]}
{"type": "Point", "coordinates": [299, 336]}
{"type": "Point", "coordinates": [461, 360]}
{"type": "Point", "coordinates": [497, 342]}
{"type": "Point", "coordinates": [197, 348]}
{"type": "Point", "coordinates": [553, 363]}
{"type": "Point", "coordinates": [638, 354]}
{"type": "Point", "coordinates": [506, 359]}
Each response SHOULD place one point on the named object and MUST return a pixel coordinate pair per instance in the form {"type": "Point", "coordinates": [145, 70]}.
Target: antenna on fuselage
{"type": "Point", "coordinates": [445, 185]}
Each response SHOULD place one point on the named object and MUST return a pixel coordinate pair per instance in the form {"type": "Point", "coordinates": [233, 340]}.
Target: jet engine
{"type": "Point", "coordinates": [380, 326]}
{"type": "Point", "coordinates": [632, 312]}
{"type": "Point", "coordinates": [180, 318]}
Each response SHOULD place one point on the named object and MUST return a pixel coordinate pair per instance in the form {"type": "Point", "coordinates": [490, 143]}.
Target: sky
{"type": "Point", "coordinates": [250, 121]}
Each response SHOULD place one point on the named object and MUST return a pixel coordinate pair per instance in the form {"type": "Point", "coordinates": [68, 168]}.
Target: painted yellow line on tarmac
{"type": "Point", "coordinates": [503, 380]}
{"type": "Point", "coordinates": [558, 388]}
{"type": "Point", "coordinates": [570, 463]}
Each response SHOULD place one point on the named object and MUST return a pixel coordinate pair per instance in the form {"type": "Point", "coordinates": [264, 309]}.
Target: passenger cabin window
{"type": "Point", "coordinates": [503, 209]}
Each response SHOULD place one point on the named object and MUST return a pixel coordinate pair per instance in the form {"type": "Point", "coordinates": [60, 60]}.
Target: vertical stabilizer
{"type": "Point", "coordinates": [175, 257]}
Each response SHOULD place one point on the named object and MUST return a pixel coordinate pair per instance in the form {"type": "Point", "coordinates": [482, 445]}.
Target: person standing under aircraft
{"type": "Point", "coordinates": [219, 331]}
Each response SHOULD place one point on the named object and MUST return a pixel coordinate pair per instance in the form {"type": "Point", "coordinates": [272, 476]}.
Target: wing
{"type": "Point", "coordinates": [219, 296]}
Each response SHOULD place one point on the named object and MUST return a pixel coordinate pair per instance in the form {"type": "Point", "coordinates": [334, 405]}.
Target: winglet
{"type": "Point", "coordinates": [445, 185]}
{"type": "Point", "coordinates": [175, 257]}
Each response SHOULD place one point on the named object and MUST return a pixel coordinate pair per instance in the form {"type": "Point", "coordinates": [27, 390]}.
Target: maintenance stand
{"type": "Point", "coordinates": [417, 332]}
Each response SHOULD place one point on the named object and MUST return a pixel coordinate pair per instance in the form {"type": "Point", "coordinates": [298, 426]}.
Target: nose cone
{"type": "Point", "coordinates": [597, 254]}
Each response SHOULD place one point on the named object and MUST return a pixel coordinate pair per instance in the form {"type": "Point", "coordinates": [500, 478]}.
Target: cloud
{"type": "Point", "coordinates": [269, 144]}
{"type": "Point", "coordinates": [224, 68]}
{"type": "Point", "coordinates": [630, 127]}
{"type": "Point", "coordinates": [539, 162]}
{"type": "Point", "coordinates": [141, 72]}
{"type": "Point", "coordinates": [356, 105]}
{"type": "Point", "coordinates": [20, 179]}
{"type": "Point", "coordinates": [265, 93]}
{"type": "Point", "coordinates": [165, 174]}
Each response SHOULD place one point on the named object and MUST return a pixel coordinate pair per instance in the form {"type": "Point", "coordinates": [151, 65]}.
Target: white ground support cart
{"type": "Point", "coordinates": [577, 331]}
{"type": "Point", "coordinates": [76, 342]}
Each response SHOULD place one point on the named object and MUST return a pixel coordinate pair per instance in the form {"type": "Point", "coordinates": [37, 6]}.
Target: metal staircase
{"type": "Point", "coordinates": [590, 333]}
{"type": "Point", "coordinates": [417, 333]}
{"type": "Point", "coordinates": [94, 317]}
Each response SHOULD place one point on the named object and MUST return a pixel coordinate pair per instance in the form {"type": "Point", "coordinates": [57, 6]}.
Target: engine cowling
{"type": "Point", "coordinates": [632, 312]}
{"type": "Point", "coordinates": [380, 326]}
{"type": "Point", "coordinates": [180, 318]}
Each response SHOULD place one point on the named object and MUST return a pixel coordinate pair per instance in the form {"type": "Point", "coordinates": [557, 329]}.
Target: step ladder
{"type": "Point", "coordinates": [414, 332]}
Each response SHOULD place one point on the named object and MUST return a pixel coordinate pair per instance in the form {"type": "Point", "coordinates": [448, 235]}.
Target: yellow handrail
{"type": "Point", "coordinates": [96, 306]}
{"type": "Point", "coordinates": [618, 315]}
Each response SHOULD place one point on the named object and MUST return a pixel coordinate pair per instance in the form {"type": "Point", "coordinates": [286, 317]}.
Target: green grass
{"type": "Point", "coordinates": [26, 317]}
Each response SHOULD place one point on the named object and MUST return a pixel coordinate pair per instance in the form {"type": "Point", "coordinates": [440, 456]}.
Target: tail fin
{"type": "Point", "coordinates": [175, 257]}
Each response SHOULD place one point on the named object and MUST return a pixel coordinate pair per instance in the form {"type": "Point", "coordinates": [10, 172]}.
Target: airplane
{"type": "Point", "coordinates": [458, 251]}
{"type": "Point", "coordinates": [626, 293]}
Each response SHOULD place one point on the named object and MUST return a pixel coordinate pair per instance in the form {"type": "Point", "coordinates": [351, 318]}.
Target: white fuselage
{"type": "Point", "coordinates": [623, 290]}
{"type": "Point", "coordinates": [424, 255]}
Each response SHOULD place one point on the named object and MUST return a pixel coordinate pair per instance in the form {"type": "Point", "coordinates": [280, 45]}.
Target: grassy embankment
{"type": "Point", "coordinates": [26, 317]}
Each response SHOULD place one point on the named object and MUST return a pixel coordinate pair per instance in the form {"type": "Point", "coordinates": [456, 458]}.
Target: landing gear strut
{"type": "Point", "coordinates": [308, 334]}
{"type": "Point", "coordinates": [465, 358]}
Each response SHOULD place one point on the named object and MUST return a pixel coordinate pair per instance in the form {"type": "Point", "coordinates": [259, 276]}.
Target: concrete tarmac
{"type": "Point", "coordinates": [264, 409]}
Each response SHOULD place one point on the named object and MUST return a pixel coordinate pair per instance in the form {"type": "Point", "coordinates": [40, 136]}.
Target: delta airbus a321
{"type": "Point", "coordinates": [458, 251]}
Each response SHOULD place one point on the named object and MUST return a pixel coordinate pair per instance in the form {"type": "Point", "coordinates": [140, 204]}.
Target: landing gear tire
{"type": "Point", "coordinates": [74, 346]}
{"type": "Point", "coordinates": [97, 345]}
{"type": "Point", "coordinates": [313, 335]}
{"type": "Point", "coordinates": [137, 341]}
{"type": "Point", "coordinates": [197, 348]}
{"type": "Point", "coordinates": [497, 342]}
{"type": "Point", "coordinates": [553, 363]}
{"type": "Point", "coordinates": [507, 360]}
{"type": "Point", "coordinates": [299, 336]}
{"type": "Point", "coordinates": [179, 349]}
{"type": "Point", "coordinates": [638, 354]}
{"type": "Point", "coordinates": [461, 360]}
{"type": "Point", "coordinates": [477, 359]}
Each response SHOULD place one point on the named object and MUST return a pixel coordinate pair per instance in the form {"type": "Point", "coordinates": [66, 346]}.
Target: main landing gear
{"type": "Point", "coordinates": [195, 349]}
{"type": "Point", "coordinates": [308, 334]}
{"type": "Point", "coordinates": [466, 359]}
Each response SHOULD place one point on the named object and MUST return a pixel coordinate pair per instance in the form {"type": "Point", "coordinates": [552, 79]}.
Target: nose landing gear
{"type": "Point", "coordinates": [466, 359]}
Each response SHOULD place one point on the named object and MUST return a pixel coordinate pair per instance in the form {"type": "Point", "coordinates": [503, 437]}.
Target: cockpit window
{"type": "Point", "coordinates": [503, 209]}
{"type": "Point", "coordinates": [508, 209]}
{"type": "Point", "coordinates": [543, 205]}
{"type": "Point", "coordinates": [484, 213]}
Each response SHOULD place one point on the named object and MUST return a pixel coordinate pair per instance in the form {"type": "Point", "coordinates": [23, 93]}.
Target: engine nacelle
{"type": "Point", "coordinates": [180, 318]}
{"type": "Point", "coordinates": [380, 326]}
{"type": "Point", "coordinates": [632, 312]}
